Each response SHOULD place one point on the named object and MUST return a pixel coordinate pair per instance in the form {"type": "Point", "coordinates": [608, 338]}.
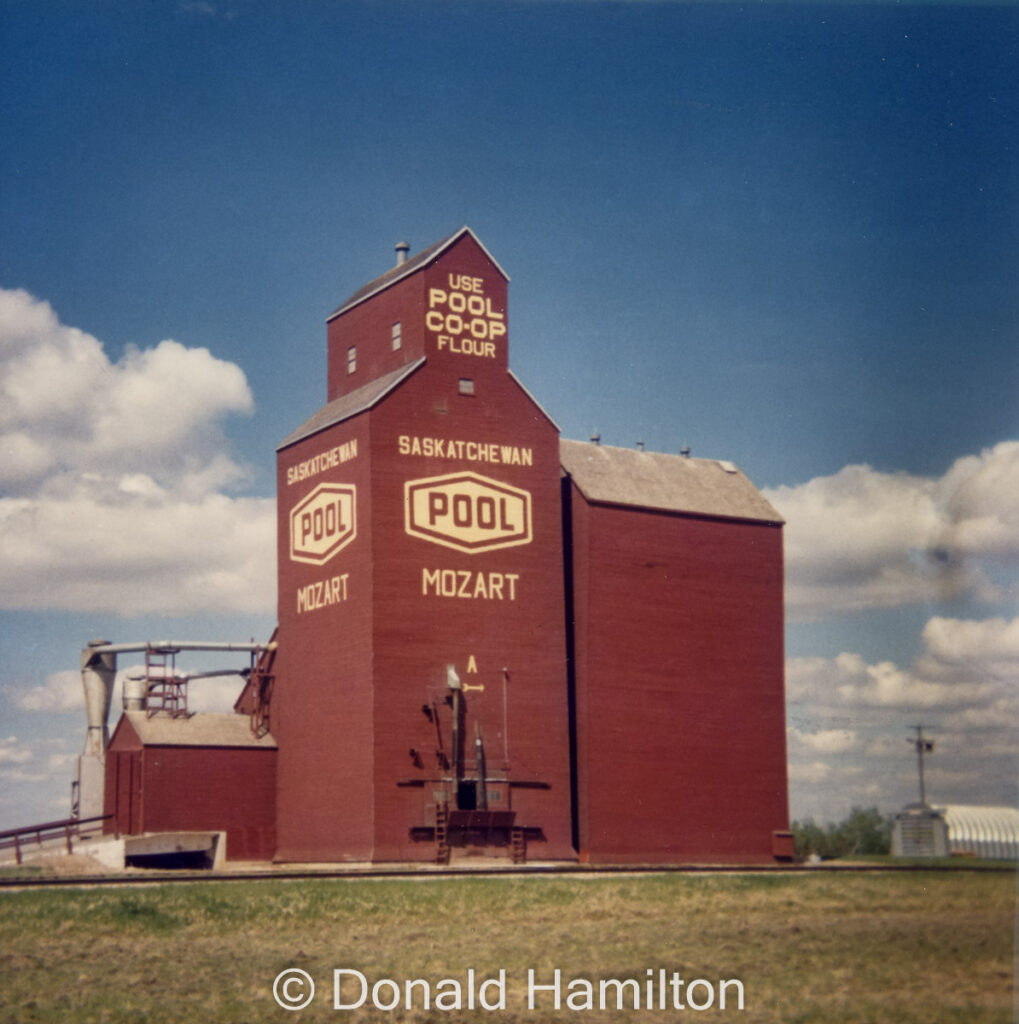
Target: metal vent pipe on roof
{"type": "Point", "coordinates": [135, 694]}
{"type": "Point", "coordinates": [402, 248]}
{"type": "Point", "coordinates": [685, 451]}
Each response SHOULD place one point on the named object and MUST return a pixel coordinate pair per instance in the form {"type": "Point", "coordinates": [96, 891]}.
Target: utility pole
{"type": "Point", "coordinates": [923, 746]}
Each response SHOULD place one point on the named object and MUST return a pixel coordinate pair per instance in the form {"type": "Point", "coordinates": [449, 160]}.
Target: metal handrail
{"type": "Point", "coordinates": [68, 827]}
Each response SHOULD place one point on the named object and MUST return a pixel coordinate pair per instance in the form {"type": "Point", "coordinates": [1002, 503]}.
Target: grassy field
{"type": "Point", "coordinates": [824, 946]}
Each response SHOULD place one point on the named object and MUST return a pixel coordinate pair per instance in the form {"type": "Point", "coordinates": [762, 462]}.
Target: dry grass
{"type": "Point", "coordinates": [814, 947]}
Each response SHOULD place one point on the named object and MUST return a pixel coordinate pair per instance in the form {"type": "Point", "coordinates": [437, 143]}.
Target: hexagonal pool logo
{"type": "Point", "coordinates": [323, 523]}
{"type": "Point", "coordinates": [467, 512]}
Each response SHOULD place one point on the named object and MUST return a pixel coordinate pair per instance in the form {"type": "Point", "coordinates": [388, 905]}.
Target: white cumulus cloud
{"type": "Point", "coordinates": [65, 408]}
{"type": "Point", "coordinates": [866, 539]}
{"type": "Point", "coordinates": [985, 649]}
{"type": "Point", "coordinates": [35, 780]}
{"type": "Point", "coordinates": [12, 751]}
{"type": "Point", "coordinates": [851, 723]}
{"type": "Point", "coordinates": [824, 741]}
{"type": "Point", "coordinates": [62, 691]}
{"type": "Point", "coordinates": [115, 476]}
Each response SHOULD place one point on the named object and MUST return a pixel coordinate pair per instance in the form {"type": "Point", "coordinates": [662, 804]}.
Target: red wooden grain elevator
{"type": "Point", "coordinates": [491, 641]}
{"type": "Point", "coordinates": [421, 701]}
{"type": "Point", "coordinates": [453, 669]}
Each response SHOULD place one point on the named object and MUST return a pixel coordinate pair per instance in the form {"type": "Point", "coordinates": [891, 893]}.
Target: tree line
{"type": "Point", "coordinates": [865, 831]}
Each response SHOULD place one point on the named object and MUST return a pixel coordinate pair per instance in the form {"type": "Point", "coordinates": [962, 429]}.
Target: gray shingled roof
{"type": "Point", "coordinates": [351, 404]}
{"type": "Point", "coordinates": [668, 483]}
{"type": "Point", "coordinates": [401, 270]}
{"type": "Point", "coordinates": [203, 729]}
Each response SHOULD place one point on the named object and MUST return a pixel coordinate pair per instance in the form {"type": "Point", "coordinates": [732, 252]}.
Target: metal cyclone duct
{"type": "Point", "coordinates": [98, 671]}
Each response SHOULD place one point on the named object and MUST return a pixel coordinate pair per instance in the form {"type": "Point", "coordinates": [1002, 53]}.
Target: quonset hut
{"type": "Point", "coordinates": [491, 640]}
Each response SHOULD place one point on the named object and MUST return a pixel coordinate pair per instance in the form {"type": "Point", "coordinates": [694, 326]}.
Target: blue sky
{"type": "Point", "coordinates": [782, 234]}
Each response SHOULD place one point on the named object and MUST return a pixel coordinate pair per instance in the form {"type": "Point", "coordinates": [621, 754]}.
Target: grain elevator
{"type": "Point", "coordinates": [495, 642]}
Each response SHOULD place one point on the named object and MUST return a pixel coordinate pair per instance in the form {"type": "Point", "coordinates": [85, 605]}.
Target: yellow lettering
{"type": "Point", "coordinates": [463, 583]}
{"type": "Point", "coordinates": [429, 579]}
{"type": "Point", "coordinates": [471, 451]}
{"type": "Point", "coordinates": [319, 463]}
{"type": "Point", "coordinates": [472, 665]}
{"type": "Point", "coordinates": [322, 593]}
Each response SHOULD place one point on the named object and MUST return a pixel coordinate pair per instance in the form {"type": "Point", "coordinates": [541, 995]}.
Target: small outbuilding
{"type": "Point", "coordinates": [919, 831]}
{"type": "Point", "coordinates": [193, 773]}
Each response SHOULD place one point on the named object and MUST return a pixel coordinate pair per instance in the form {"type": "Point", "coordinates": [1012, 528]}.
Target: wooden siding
{"type": "Point", "coordinates": [352, 677]}
{"type": "Point", "coordinates": [679, 686]}
{"type": "Point", "coordinates": [368, 326]}
{"type": "Point", "coordinates": [665, 740]}
{"type": "Point", "coordinates": [418, 631]}
{"type": "Point", "coordinates": [322, 701]}
{"type": "Point", "coordinates": [193, 789]}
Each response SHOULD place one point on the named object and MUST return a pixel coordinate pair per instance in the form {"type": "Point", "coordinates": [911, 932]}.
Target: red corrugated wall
{"type": "Point", "coordinates": [322, 704]}
{"type": "Point", "coordinates": [368, 326]}
{"type": "Point", "coordinates": [193, 789]}
{"type": "Point", "coordinates": [420, 627]}
{"type": "Point", "coordinates": [676, 686]}
{"type": "Point", "coordinates": [353, 676]}
{"type": "Point", "coordinates": [678, 663]}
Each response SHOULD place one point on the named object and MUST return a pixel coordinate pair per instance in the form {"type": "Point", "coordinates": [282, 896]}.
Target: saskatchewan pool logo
{"type": "Point", "coordinates": [323, 523]}
{"type": "Point", "coordinates": [467, 512]}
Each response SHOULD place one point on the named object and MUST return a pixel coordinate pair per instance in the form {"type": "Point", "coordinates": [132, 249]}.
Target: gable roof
{"type": "Point", "coordinates": [351, 404]}
{"type": "Point", "coordinates": [534, 401]}
{"type": "Point", "coordinates": [666, 483]}
{"type": "Point", "coordinates": [409, 266]}
{"type": "Point", "coordinates": [203, 729]}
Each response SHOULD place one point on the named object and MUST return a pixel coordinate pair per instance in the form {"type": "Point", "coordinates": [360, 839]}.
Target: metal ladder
{"type": "Point", "coordinates": [166, 691]}
{"type": "Point", "coordinates": [518, 845]}
{"type": "Point", "coordinates": [442, 832]}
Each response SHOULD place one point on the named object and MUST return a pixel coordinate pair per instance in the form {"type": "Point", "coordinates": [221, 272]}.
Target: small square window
{"type": "Point", "coordinates": [397, 336]}
{"type": "Point", "coordinates": [466, 386]}
{"type": "Point", "coordinates": [351, 359]}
